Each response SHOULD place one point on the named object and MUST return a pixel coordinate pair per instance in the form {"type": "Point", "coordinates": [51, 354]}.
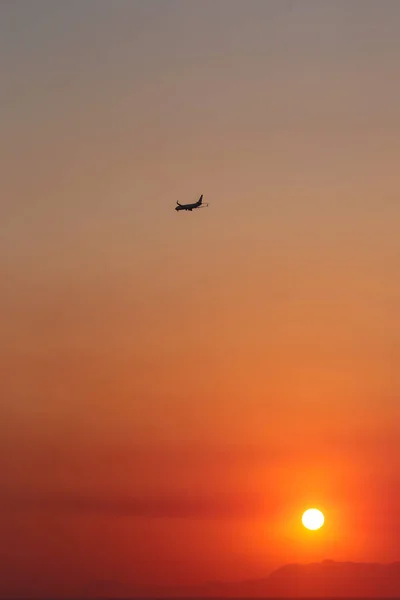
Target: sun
{"type": "Point", "coordinates": [313, 519]}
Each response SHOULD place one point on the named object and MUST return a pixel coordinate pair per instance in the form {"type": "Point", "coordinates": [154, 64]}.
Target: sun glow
{"type": "Point", "coordinates": [313, 519]}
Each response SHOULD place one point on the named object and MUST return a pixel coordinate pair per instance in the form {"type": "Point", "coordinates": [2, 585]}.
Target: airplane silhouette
{"type": "Point", "coordinates": [198, 204]}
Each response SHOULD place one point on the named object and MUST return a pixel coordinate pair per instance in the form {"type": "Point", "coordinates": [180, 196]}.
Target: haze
{"type": "Point", "coordinates": [177, 388]}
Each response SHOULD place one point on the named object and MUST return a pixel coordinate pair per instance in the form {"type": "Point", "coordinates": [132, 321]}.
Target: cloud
{"type": "Point", "coordinates": [179, 506]}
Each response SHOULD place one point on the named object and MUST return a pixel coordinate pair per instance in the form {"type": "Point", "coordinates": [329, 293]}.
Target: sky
{"type": "Point", "coordinates": [177, 388]}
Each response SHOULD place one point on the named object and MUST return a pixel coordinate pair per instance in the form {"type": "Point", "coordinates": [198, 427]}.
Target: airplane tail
{"type": "Point", "coordinates": [200, 200]}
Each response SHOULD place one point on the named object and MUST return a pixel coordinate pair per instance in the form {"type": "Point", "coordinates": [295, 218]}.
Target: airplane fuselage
{"type": "Point", "coordinates": [186, 207]}
{"type": "Point", "coordinates": [190, 206]}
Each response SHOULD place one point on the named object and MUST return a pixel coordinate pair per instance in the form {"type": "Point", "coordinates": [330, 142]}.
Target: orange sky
{"type": "Point", "coordinates": [176, 388]}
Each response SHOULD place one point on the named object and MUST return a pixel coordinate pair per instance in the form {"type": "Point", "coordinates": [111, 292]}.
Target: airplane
{"type": "Point", "coordinates": [198, 204]}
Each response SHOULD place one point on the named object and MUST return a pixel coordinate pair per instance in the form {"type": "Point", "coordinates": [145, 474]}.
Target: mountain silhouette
{"type": "Point", "coordinates": [337, 579]}
{"type": "Point", "coordinates": [315, 580]}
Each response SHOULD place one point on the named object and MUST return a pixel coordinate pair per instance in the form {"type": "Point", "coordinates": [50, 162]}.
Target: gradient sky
{"type": "Point", "coordinates": [177, 388]}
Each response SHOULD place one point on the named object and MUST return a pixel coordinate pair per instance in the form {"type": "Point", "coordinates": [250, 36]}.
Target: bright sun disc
{"type": "Point", "coordinates": [313, 519]}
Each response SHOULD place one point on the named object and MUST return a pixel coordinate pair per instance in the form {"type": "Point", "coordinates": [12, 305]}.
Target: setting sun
{"type": "Point", "coordinates": [313, 519]}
